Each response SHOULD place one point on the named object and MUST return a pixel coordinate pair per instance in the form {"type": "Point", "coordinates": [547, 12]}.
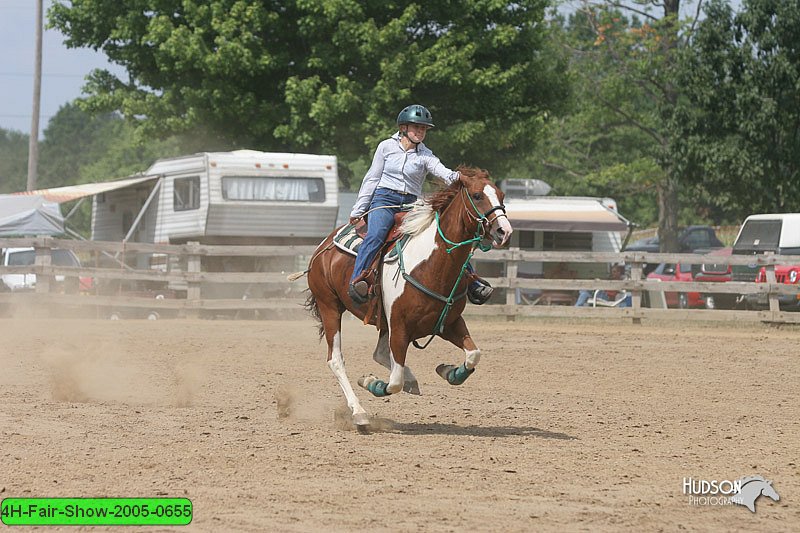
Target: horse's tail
{"type": "Point", "coordinates": [297, 275]}
{"type": "Point", "coordinates": [312, 307]}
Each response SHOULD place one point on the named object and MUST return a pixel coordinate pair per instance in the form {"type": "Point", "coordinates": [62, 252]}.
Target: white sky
{"type": "Point", "coordinates": [63, 69]}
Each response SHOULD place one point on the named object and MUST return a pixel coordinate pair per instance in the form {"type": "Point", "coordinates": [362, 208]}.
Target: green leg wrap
{"type": "Point", "coordinates": [459, 375]}
{"type": "Point", "coordinates": [378, 388]}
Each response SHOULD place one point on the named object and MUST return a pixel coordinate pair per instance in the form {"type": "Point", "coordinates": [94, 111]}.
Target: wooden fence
{"type": "Point", "coordinates": [178, 286]}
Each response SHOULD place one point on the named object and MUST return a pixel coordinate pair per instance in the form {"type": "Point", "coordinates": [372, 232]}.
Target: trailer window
{"type": "Point", "coordinates": [254, 188]}
{"type": "Point", "coordinates": [567, 241]}
{"type": "Point", "coordinates": [186, 194]}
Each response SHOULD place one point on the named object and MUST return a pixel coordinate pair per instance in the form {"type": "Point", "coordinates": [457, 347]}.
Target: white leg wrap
{"type": "Point", "coordinates": [472, 359]}
{"type": "Point", "coordinates": [336, 364]}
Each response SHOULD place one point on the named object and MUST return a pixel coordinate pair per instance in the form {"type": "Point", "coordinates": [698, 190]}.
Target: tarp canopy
{"type": "Point", "coordinates": [74, 192]}
{"type": "Point", "coordinates": [563, 214]}
{"type": "Point", "coordinates": [29, 215]}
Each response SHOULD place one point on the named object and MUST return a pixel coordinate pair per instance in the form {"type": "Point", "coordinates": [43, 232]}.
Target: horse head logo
{"type": "Point", "coordinates": [752, 488]}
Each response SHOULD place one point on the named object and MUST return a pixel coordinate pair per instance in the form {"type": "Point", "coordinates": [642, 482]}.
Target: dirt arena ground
{"type": "Point", "coordinates": [568, 426]}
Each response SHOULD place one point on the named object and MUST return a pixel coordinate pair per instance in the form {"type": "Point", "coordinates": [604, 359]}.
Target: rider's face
{"type": "Point", "coordinates": [416, 132]}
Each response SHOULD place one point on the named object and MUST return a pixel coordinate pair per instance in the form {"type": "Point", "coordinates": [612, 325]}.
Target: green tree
{"type": "Point", "coordinates": [592, 150]}
{"type": "Point", "coordinates": [623, 58]}
{"type": "Point", "coordinates": [738, 131]}
{"type": "Point", "coordinates": [324, 75]}
{"type": "Point", "coordinates": [13, 161]}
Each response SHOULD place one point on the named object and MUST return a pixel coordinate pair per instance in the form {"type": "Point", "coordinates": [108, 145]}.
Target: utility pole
{"type": "Point", "coordinates": [33, 143]}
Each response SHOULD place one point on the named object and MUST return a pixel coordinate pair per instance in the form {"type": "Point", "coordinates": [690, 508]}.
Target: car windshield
{"type": "Point", "coordinates": [28, 257]}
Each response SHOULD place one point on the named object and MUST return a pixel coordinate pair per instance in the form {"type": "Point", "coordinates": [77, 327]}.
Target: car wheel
{"type": "Point", "coordinates": [710, 303]}
{"type": "Point", "coordinates": [152, 315]}
{"type": "Point", "coordinates": [683, 301]}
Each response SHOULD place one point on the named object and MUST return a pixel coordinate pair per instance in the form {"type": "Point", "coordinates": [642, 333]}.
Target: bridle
{"type": "Point", "coordinates": [482, 218]}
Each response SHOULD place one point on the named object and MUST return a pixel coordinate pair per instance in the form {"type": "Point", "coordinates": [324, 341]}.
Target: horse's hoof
{"type": "Point", "coordinates": [361, 421]}
{"type": "Point", "coordinates": [454, 375]}
{"type": "Point", "coordinates": [412, 387]}
{"type": "Point", "coordinates": [444, 369]}
{"type": "Point", "coordinates": [364, 381]}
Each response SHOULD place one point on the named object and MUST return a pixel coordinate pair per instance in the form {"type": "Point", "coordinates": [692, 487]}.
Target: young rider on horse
{"type": "Point", "coordinates": [395, 177]}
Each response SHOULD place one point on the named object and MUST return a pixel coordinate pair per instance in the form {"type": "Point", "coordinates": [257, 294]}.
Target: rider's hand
{"type": "Point", "coordinates": [354, 220]}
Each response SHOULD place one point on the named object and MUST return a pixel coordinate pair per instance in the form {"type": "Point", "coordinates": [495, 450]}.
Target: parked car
{"type": "Point", "coordinates": [717, 273]}
{"type": "Point", "coordinates": [769, 233]}
{"type": "Point", "coordinates": [27, 282]}
{"type": "Point", "coordinates": [678, 272]}
{"type": "Point", "coordinates": [693, 239]}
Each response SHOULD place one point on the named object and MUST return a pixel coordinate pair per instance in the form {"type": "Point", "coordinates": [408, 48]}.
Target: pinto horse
{"type": "Point", "coordinates": [422, 292]}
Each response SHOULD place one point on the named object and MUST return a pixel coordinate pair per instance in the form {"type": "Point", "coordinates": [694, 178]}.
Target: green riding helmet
{"type": "Point", "coordinates": [415, 114]}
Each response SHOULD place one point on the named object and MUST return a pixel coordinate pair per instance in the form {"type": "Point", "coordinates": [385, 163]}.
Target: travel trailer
{"type": "Point", "coordinates": [241, 197]}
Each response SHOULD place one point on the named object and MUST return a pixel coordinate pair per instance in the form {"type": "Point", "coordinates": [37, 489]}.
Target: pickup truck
{"type": "Point", "coordinates": [27, 282]}
{"type": "Point", "coordinates": [776, 233]}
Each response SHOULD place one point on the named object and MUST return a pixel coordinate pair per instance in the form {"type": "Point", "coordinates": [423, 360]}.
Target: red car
{"type": "Point", "coordinates": [717, 273]}
{"type": "Point", "coordinates": [678, 272]}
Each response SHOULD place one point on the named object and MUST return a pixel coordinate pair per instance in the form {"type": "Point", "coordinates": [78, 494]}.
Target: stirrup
{"type": "Point", "coordinates": [479, 293]}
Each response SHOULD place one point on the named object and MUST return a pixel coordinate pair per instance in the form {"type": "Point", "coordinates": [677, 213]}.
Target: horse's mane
{"type": "Point", "coordinates": [421, 216]}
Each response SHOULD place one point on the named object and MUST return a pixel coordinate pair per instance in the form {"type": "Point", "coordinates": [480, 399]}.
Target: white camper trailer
{"type": "Point", "coordinates": [241, 197]}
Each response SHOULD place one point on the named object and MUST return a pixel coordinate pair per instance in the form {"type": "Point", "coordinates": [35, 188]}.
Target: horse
{"type": "Point", "coordinates": [422, 292]}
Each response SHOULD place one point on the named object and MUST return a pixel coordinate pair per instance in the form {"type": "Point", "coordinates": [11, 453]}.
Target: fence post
{"type": "Point", "coordinates": [512, 266]}
{"type": "Point", "coordinates": [193, 283]}
{"type": "Point", "coordinates": [636, 297]}
{"type": "Point", "coordinates": [43, 260]}
{"type": "Point", "coordinates": [774, 304]}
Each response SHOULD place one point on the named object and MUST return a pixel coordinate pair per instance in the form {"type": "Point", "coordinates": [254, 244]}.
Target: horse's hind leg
{"type": "Point", "coordinates": [382, 356]}
{"type": "Point", "coordinates": [458, 334]}
{"type": "Point", "coordinates": [332, 324]}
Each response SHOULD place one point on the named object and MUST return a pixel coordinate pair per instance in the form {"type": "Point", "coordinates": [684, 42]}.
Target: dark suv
{"type": "Point", "coordinates": [693, 239]}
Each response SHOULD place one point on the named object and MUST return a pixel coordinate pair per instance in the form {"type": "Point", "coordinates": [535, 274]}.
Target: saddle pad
{"type": "Point", "coordinates": [347, 240]}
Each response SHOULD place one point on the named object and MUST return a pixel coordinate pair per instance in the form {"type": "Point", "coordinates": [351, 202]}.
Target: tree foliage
{"type": "Point", "coordinates": [738, 129]}
{"type": "Point", "coordinates": [324, 75]}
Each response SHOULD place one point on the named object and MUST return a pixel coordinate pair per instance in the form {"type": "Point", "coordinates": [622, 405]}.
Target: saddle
{"type": "Point", "coordinates": [349, 238]}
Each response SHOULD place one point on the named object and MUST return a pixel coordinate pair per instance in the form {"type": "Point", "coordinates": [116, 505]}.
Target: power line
{"type": "Point", "coordinates": [29, 74]}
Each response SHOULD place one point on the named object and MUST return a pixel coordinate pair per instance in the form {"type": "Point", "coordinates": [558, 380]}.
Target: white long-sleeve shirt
{"type": "Point", "coordinates": [394, 168]}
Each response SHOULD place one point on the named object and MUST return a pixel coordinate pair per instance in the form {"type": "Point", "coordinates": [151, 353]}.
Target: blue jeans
{"type": "Point", "coordinates": [379, 222]}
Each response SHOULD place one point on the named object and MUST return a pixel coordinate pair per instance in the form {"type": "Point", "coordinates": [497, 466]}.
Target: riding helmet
{"type": "Point", "coordinates": [415, 114]}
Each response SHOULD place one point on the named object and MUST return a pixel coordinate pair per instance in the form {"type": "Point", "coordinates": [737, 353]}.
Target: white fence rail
{"type": "Point", "coordinates": [179, 285]}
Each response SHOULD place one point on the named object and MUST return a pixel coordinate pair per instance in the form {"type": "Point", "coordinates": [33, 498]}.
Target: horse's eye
{"type": "Point", "coordinates": [477, 195]}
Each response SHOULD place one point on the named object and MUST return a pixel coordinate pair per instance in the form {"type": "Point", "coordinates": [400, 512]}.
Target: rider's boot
{"type": "Point", "coordinates": [359, 288]}
{"type": "Point", "coordinates": [479, 291]}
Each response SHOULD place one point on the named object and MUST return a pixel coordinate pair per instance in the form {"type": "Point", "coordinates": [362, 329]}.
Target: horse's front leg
{"type": "Point", "coordinates": [398, 348]}
{"type": "Point", "coordinates": [458, 334]}
{"type": "Point", "coordinates": [382, 356]}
